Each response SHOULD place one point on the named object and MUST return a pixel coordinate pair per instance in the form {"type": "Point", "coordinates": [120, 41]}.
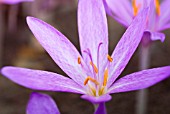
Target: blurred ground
{"type": "Point", "coordinates": [19, 50]}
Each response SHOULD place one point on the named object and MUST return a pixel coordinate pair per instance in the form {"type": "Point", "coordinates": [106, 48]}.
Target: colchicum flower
{"type": "Point", "coordinates": [93, 73]}
{"type": "Point", "coordinates": [14, 1]}
{"type": "Point", "coordinates": [41, 104]}
{"type": "Point", "coordinates": [124, 12]}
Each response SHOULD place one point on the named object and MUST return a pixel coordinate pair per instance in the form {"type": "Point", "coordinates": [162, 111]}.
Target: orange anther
{"type": "Point", "coordinates": [109, 58]}
{"type": "Point", "coordinates": [94, 67]}
{"type": "Point", "coordinates": [91, 79]}
{"type": "Point", "coordinates": [135, 7]}
{"type": "Point", "coordinates": [105, 77]}
{"type": "Point", "coordinates": [79, 60]}
{"type": "Point", "coordinates": [157, 5]}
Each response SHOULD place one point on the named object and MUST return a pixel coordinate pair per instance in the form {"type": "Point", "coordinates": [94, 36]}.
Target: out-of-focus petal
{"type": "Point", "coordinates": [41, 80]}
{"type": "Point", "coordinates": [157, 36]}
{"type": "Point", "coordinates": [96, 100]}
{"type": "Point", "coordinates": [41, 104]}
{"type": "Point", "coordinates": [59, 48]}
{"type": "Point", "coordinates": [93, 31]}
{"type": "Point", "coordinates": [120, 10]}
{"type": "Point", "coordinates": [14, 1]}
{"type": "Point", "coordinates": [165, 13]}
{"type": "Point", "coordinates": [140, 80]}
{"type": "Point", "coordinates": [127, 46]}
{"type": "Point", "coordinates": [101, 109]}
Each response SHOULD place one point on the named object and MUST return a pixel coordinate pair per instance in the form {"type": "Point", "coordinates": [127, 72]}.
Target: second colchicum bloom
{"type": "Point", "coordinates": [93, 73]}
{"type": "Point", "coordinates": [124, 12]}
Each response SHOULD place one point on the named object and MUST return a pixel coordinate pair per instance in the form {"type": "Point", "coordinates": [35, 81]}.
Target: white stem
{"type": "Point", "coordinates": [142, 95]}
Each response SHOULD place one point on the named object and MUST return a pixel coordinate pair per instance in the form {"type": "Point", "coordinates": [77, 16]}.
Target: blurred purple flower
{"type": "Point", "coordinates": [94, 73]}
{"type": "Point", "coordinates": [14, 1]}
{"type": "Point", "coordinates": [41, 104]}
{"type": "Point", "coordinates": [124, 12]}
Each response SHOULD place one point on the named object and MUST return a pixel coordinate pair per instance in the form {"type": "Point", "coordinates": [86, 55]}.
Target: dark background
{"type": "Point", "coordinates": [19, 48]}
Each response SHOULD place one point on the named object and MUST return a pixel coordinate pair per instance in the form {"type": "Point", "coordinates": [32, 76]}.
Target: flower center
{"type": "Point", "coordinates": [157, 5]}
{"type": "Point", "coordinates": [95, 87]}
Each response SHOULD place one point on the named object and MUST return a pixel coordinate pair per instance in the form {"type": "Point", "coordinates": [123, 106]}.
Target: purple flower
{"type": "Point", "coordinates": [93, 73]}
{"type": "Point", "coordinates": [14, 1]}
{"type": "Point", "coordinates": [124, 12]}
{"type": "Point", "coordinates": [41, 104]}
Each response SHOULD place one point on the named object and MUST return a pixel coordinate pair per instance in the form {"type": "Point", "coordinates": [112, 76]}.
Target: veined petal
{"type": "Point", "coordinates": [140, 80]}
{"type": "Point", "coordinates": [127, 46]}
{"type": "Point", "coordinates": [93, 30]}
{"type": "Point", "coordinates": [41, 104]}
{"type": "Point", "coordinates": [121, 10]}
{"type": "Point", "coordinates": [101, 109]}
{"type": "Point", "coordinates": [14, 1]}
{"type": "Point", "coordinates": [157, 36]}
{"type": "Point", "coordinates": [96, 100]}
{"type": "Point", "coordinates": [41, 80]}
{"type": "Point", "coordinates": [59, 48]}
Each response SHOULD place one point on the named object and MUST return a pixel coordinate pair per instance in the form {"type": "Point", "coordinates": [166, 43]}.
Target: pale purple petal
{"type": "Point", "coordinates": [140, 80]}
{"type": "Point", "coordinates": [101, 109]}
{"type": "Point", "coordinates": [165, 13]}
{"type": "Point", "coordinates": [41, 104]}
{"type": "Point", "coordinates": [59, 48]}
{"type": "Point", "coordinates": [121, 10]}
{"type": "Point", "coordinates": [157, 36]}
{"type": "Point", "coordinates": [14, 1]}
{"type": "Point", "coordinates": [127, 46]}
{"type": "Point", "coordinates": [166, 26]}
{"type": "Point", "coordinates": [41, 80]}
{"type": "Point", "coordinates": [93, 31]}
{"type": "Point", "coordinates": [96, 100]}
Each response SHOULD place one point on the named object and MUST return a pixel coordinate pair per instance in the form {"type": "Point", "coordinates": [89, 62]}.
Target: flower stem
{"type": "Point", "coordinates": [100, 108]}
{"type": "Point", "coordinates": [144, 61]}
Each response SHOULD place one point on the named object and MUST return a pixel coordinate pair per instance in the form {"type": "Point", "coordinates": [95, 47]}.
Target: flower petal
{"type": "Point", "coordinates": [101, 109]}
{"type": "Point", "coordinates": [41, 80]}
{"type": "Point", "coordinates": [14, 1]}
{"type": "Point", "coordinates": [140, 80]}
{"type": "Point", "coordinates": [165, 13]}
{"type": "Point", "coordinates": [41, 104]}
{"type": "Point", "coordinates": [96, 100]}
{"type": "Point", "coordinates": [127, 46]}
{"type": "Point", "coordinates": [59, 48]}
{"type": "Point", "coordinates": [157, 36]}
{"type": "Point", "coordinates": [120, 10]}
{"type": "Point", "coordinates": [93, 30]}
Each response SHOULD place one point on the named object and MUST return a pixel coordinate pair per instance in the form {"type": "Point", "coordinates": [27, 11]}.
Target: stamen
{"type": "Point", "coordinates": [105, 77]}
{"type": "Point", "coordinates": [109, 58]}
{"type": "Point", "coordinates": [79, 60]}
{"type": "Point", "coordinates": [101, 90]}
{"type": "Point", "coordinates": [94, 67]}
{"type": "Point", "coordinates": [93, 90]}
{"type": "Point", "coordinates": [157, 5]}
{"type": "Point", "coordinates": [135, 7]}
{"type": "Point", "coordinates": [91, 79]}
